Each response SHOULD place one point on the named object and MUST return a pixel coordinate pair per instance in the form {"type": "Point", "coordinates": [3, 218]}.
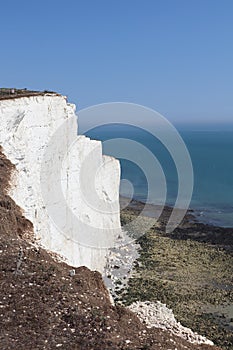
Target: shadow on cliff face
{"type": "Point", "coordinates": [46, 304]}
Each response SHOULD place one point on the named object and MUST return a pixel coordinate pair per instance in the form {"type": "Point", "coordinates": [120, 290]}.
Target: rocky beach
{"type": "Point", "coordinates": [189, 270]}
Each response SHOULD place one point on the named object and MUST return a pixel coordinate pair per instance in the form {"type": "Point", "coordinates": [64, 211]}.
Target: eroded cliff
{"type": "Point", "coordinates": [64, 185]}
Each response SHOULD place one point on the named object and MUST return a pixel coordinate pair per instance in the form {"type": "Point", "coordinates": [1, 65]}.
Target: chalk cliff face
{"type": "Point", "coordinates": [67, 189]}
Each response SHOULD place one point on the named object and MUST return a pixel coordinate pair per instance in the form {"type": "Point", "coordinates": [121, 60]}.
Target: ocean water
{"type": "Point", "coordinates": [211, 151]}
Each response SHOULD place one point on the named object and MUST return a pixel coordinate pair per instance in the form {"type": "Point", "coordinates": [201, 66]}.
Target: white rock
{"type": "Point", "coordinates": [159, 316]}
{"type": "Point", "coordinates": [63, 183]}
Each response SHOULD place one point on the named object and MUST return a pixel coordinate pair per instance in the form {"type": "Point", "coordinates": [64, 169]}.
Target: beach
{"type": "Point", "coordinates": [190, 270]}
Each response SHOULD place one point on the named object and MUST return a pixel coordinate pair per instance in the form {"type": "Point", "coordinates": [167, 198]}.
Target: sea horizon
{"type": "Point", "coordinates": [210, 146]}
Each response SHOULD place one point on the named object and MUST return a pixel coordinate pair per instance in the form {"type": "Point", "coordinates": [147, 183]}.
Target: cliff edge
{"type": "Point", "coordinates": [62, 182]}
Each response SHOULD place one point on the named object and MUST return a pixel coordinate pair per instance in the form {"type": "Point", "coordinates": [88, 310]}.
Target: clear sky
{"type": "Point", "coordinates": [175, 56]}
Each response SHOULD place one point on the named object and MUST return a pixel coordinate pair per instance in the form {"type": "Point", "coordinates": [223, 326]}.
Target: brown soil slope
{"type": "Point", "coordinates": [42, 306]}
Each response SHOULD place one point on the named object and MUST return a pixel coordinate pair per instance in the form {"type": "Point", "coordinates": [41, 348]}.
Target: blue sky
{"type": "Point", "coordinates": [175, 56]}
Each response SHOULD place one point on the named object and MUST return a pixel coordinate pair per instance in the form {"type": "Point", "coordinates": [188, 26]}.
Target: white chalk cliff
{"type": "Point", "coordinates": [63, 183]}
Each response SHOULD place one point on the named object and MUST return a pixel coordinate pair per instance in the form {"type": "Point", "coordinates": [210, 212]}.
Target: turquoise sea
{"type": "Point", "coordinates": [211, 151]}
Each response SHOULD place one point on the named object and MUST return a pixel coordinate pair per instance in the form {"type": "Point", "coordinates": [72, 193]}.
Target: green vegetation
{"type": "Point", "coordinates": [190, 277]}
{"type": "Point", "coordinates": [6, 93]}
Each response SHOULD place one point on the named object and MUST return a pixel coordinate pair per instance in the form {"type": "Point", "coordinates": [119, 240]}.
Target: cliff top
{"type": "Point", "coordinates": [12, 93]}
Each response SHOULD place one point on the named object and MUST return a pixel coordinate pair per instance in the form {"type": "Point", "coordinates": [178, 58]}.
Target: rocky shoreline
{"type": "Point", "coordinates": [190, 228]}
{"type": "Point", "coordinates": [189, 270]}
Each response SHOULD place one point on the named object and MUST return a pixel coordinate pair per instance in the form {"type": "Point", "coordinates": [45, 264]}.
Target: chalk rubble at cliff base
{"type": "Point", "coordinates": [159, 316]}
